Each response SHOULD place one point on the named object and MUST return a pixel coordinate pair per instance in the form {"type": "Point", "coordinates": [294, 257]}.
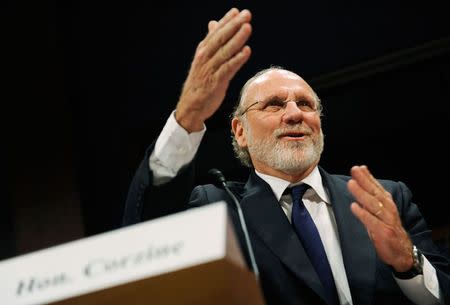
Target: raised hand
{"type": "Point", "coordinates": [376, 209]}
{"type": "Point", "coordinates": [217, 59]}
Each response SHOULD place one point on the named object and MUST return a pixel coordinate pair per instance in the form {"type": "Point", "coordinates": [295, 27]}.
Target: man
{"type": "Point", "coordinates": [370, 245]}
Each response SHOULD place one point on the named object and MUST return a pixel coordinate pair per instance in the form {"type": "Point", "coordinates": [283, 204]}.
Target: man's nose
{"type": "Point", "coordinates": [292, 114]}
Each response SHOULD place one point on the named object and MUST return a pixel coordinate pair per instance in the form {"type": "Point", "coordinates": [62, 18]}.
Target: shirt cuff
{"type": "Point", "coordinates": [174, 148]}
{"type": "Point", "coordinates": [423, 288]}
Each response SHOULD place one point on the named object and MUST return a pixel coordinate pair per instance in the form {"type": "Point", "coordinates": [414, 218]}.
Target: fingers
{"type": "Point", "coordinates": [376, 209]}
{"type": "Point", "coordinates": [233, 12]}
{"type": "Point", "coordinates": [217, 59]}
{"type": "Point", "coordinates": [232, 48]}
{"type": "Point", "coordinates": [371, 195]}
{"type": "Point", "coordinates": [232, 35]}
{"type": "Point", "coordinates": [226, 37]}
{"type": "Point", "coordinates": [391, 242]}
{"type": "Point", "coordinates": [368, 181]}
{"type": "Point", "coordinates": [369, 202]}
{"type": "Point", "coordinates": [212, 25]}
{"type": "Point", "coordinates": [368, 219]}
{"type": "Point", "coordinates": [228, 70]}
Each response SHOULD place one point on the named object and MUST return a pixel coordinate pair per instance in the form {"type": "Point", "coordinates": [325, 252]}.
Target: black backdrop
{"type": "Point", "coordinates": [100, 78]}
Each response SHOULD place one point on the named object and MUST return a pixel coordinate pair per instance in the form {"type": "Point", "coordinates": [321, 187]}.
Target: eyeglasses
{"type": "Point", "coordinates": [275, 106]}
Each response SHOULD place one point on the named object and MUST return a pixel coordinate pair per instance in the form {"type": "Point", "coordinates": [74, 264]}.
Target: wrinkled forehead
{"type": "Point", "coordinates": [280, 83]}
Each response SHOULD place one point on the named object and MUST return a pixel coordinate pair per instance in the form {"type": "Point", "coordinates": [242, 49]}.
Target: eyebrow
{"type": "Point", "coordinates": [273, 97]}
{"type": "Point", "coordinates": [280, 98]}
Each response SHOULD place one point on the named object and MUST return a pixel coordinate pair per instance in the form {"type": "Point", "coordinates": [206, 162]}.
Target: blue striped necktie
{"type": "Point", "coordinates": [309, 236]}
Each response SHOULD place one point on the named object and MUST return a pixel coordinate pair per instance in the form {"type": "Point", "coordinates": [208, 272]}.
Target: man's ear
{"type": "Point", "coordinates": [239, 132]}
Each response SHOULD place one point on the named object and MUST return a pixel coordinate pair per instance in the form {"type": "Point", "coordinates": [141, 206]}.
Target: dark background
{"type": "Point", "coordinates": [88, 85]}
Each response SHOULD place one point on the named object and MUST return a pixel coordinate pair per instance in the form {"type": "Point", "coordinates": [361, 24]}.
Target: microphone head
{"type": "Point", "coordinates": [217, 174]}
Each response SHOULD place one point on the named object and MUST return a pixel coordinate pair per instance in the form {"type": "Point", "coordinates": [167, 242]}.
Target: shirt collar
{"type": "Point", "coordinates": [278, 185]}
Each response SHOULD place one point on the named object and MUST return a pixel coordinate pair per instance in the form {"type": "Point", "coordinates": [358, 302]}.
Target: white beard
{"type": "Point", "coordinates": [287, 156]}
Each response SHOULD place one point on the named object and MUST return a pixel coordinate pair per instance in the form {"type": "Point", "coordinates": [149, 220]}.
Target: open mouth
{"type": "Point", "coordinates": [292, 135]}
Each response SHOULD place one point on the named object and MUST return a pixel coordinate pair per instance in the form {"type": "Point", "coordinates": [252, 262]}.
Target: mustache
{"type": "Point", "coordinates": [287, 130]}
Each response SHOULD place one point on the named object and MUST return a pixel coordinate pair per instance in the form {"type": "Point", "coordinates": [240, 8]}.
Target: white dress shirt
{"type": "Point", "coordinates": [318, 205]}
{"type": "Point", "coordinates": [175, 147]}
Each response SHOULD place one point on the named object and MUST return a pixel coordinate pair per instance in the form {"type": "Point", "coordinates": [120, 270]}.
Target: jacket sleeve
{"type": "Point", "coordinates": [420, 235]}
{"type": "Point", "coordinates": [145, 201]}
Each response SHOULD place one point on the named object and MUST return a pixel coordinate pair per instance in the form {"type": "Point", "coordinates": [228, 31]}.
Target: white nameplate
{"type": "Point", "coordinates": [113, 258]}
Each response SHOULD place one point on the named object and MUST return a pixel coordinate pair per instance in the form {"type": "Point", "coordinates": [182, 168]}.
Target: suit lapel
{"type": "Point", "coordinates": [357, 250]}
{"type": "Point", "coordinates": [266, 218]}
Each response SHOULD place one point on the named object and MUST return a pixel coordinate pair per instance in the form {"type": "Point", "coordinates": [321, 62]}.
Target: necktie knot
{"type": "Point", "coordinates": [298, 191]}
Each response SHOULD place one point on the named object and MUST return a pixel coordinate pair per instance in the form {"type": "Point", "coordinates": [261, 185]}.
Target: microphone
{"type": "Point", "coordinates": [221, 178]}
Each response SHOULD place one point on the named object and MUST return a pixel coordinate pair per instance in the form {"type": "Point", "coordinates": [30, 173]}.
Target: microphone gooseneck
{"type": "Point", "coordinates": [221, 178]}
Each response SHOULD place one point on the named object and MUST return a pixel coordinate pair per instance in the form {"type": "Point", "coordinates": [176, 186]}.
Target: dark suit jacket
{"type": "Point", "coordinates": [286, 274]}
